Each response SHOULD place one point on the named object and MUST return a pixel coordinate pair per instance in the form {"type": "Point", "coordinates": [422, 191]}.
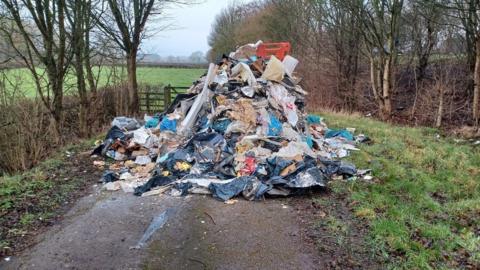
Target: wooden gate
{"type": "Point", "coordinates": [154, 99]}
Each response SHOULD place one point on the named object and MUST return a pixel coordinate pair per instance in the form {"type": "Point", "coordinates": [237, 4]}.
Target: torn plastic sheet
{"type": "Point", "coordinates": [109, 176]}
{"type": "Point", "coordinates": [254, 190]}
{"type": "Point", "coordinates": [244, 73]}
{"type": "Point", "coordinates": [338, 167]}
{"type": "Point", "coordinates": [248, 91]}
{"type": "Point", "coordinates": [182, 101]}
{"type": "Point", "coordinates": [278, 191]}
{"type": "Point", "coordinates": [115, 133]}
{"type": "Point", "coordinates": [274, 127]}
{"type": "Point", "coordinates": [151, 121]}
{"type": "Point", "coordinates": [221, 125]}
{"type": "Point", "coordinates": [153, 182]}
{"type": "Point", "coordinates": [246, 52]}
{"type": "Point", "coordinates": [347, 169]}
{"type": "Point", "coordinates": [125, 123]}
{"type": "Point", "coordinates": [183, 187]}
{"type": "Point", "coordinates": [339, 133]}
{"type": "Point", "coordinates": [228, 190]}
{"type": "Point", "coordinates": [312, 177]}
{"type": "Point", "coordinates": [208, 146]}
{"type": "Point", "coordinates": [204, 182]}
{"type": "Point", "coordinates": [236, 127]}
{"type": "Point", "coordinates": [313, 119]}
{"type": "Point", "coordinates": [143, 160]}
{"type": "Point", "coordinates": [289, 63]}
{"type": "Point", "coordinates": [156, 224]}
{"type": "Point", "coordinates": [143, 136]}
{"type": "Point", "coordinates": [362, 138]}
{"type": "Point", "coordinates": [187, 123]}
{"type": "Point", "coordinates": [274, 70]}
{"type": "Point", "coordinates": [221, 78]}
{"type": "Point", "coordinates": [168, 124]}
{"type": "Point", "coordinates": [289, 133]}
{"type": "Point", "coordinates": [112, 135]}
{"type": "Point", "coordinates": [309, 140]}
{"type": "Point", "coordinates": [287, 101]}
{"type": "Point", "coordinates": [116, 155]}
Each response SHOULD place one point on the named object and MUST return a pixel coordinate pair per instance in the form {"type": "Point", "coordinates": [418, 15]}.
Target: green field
{"type": "Point", "coordinates": [21, 82]}
{"type": "Point", "coordinates": [424, 208]}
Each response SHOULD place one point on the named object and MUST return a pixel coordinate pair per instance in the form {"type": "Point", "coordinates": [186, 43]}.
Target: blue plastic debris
{"type": "Point", "coordinates": [203, 122]}
{"type": "Point", "coordinates": [309, 141]}
{"type": "Point", "coordinates": [339, 133]}
{"type": "Point", "coordinates": [313, 119]}
{"type": "Point", "coordinates": [228, 190]}
{"type": "Point", "coordinates": [168, 124]}
{"type": "Point", "coordinates": [221, 125]}
{"type": "Point", "coordinates": [274, 127]}
{"type": "Point", "coordinates": [152, 122]}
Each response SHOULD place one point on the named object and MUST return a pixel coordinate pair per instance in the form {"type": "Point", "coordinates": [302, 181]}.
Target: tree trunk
{"type": "Point", "coordinates": [57, 111]}
{"type": "Point", "coordinates": [78, 46]}
{"type": "Point", "coordinates": [424, 56]}
{"type": "Point", "coordinates": [132, 83]}
{"type": "Point", "coordinates": [476, 80]}
{"type": "Point", "coordinates": [82, 90]}
{"type": "Point", "coordinates": [92, 115]}
{"type": "Point", "coordinates": [387, 84]}
{"type": "Point", "coordinates": [375, 79]}
{"type": "Point", "coordinates": [438, 122]}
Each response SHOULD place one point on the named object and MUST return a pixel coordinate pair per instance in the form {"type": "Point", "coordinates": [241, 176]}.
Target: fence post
{"type": "Point", "coordinates": [147, 98]}
{"type": "Point", "coordinates": [167, 96]}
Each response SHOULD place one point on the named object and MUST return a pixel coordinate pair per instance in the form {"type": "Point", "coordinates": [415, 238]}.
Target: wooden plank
{"type": "Point", "coordinates": [152, 94]}
{"type": "Point", "coordinates": [148, 102]}
{"type": "Point", "coordinates": [167, 95]}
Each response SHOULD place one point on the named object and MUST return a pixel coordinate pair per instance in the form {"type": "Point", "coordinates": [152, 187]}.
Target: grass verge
{"type": "Point", "coordinates": [423, 212]}
{"type": "Point", "coordinates": [36, 198]}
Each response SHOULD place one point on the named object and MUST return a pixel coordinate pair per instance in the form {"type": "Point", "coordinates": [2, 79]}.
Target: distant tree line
{"type": "Point", "coordinates": [410, 60]}
{"type": "Point", "coordinates": [196, 57]}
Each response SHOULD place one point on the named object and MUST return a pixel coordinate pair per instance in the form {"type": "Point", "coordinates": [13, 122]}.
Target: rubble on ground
{"type": "Point", "coordinates": [239, 130]}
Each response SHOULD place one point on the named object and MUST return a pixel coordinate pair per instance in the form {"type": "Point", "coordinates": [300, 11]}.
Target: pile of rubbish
{"type": "Point", "coordinates": [239, 129]}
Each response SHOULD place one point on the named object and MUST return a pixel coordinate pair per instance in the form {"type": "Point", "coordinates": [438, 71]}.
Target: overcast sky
{"type": "Point", "coordinates": [193, 25]}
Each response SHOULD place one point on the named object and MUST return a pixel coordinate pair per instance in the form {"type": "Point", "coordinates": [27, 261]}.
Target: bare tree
{"type": "Point", "coordinates": [468, 11]}
{"type": "Point", "coordinates": [41, 25]}
{"type": "Point", "coordinates": [476, 79]}
{"type": "Point", "coordinates": [381, 32]}
{"type": "Point", "coordinates": [125, 21]}
{"type": "Point", "coordinates": [344, 31]}
{"type": "Point", "coordinates": [78, 13]}
{"type": "Point", "coordinates": [424, 21]}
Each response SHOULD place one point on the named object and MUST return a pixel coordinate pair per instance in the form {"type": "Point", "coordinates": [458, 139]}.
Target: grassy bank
{"type": "Point", "coordinates": [31, 200]}
{"type": "Point", "coordinates": [22, 78]}
{"type": "Point", "coordinates": [423, 211]}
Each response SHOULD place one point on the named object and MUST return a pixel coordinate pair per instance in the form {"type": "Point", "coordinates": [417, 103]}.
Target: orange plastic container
{"type": "Point", "coordinates": [279, 49]}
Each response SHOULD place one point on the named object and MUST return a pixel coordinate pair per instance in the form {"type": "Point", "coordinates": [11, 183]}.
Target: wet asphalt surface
{"type": "Point", "coordinates": [199, 233]}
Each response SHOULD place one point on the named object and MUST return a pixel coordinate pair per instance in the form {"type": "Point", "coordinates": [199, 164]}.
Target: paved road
{"type": "Point", "coordinates": [200, 233]}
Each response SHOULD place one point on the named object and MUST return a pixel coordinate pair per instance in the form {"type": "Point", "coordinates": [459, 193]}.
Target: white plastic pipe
{"type": "Point", "coordinates": [202, 98]}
